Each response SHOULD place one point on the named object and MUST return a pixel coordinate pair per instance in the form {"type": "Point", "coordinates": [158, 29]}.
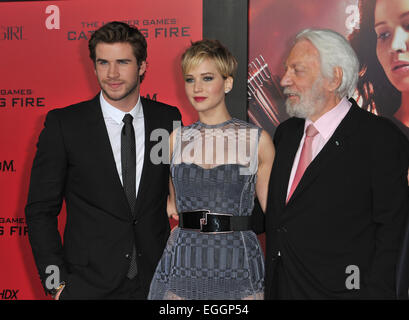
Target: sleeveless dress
{"type": "Point", "coordinates": [212, 167]}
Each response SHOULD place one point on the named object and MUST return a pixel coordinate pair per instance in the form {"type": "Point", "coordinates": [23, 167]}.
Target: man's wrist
{"type": "Point", "coordinates": [55, 291]}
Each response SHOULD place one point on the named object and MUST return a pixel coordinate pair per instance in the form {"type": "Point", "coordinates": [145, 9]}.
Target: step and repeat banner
{"type": "Point", "coordinates": [273, 25]}
{"type": "Point", "coordinates": [44, 64]}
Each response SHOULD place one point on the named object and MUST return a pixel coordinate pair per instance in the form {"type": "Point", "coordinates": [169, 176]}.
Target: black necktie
{"type": "Point", "coordinates": [128, 161]}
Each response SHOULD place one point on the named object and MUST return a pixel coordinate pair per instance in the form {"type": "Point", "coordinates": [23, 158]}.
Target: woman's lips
{"type": "Point", "coordinates": [199, 99]}
{"type": "Point", "coordinates": [400, 66]}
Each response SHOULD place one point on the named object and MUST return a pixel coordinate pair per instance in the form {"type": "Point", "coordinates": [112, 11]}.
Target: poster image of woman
{"type": "Point", "coordinates": [382, 46]}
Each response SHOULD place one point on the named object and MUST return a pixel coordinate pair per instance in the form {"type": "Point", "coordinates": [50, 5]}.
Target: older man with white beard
{"type": "Point", "coordinates": [338, 196]}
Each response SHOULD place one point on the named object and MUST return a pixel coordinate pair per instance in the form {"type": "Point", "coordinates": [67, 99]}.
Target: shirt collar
{"type": "Point", "coordinates": [117, 115]}
{"type": "Point", "coordinates": [330, 120]}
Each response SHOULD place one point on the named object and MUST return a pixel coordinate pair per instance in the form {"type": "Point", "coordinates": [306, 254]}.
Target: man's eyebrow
{"type": "Point", "coordinates": [293, 65]}
{"type": "Point", "coordinates": [121, 60]}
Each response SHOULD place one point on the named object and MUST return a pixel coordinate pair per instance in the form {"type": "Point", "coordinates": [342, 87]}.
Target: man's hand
{"type": "Point", "coordinates": [59, 290]}
{"type": "Point", "coordinates": [57, 296]}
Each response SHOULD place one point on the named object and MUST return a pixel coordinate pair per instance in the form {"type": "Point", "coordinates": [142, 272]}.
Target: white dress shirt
{"type": "Point", "coordinates": [113, 122]}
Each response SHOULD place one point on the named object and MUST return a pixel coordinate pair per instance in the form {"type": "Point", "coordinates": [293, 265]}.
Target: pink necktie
{"type": "Point", "coordinates": [305, 157]}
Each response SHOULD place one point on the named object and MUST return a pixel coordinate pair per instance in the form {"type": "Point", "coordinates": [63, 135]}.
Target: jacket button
{"type": "Point", "coordinates": [127, 255]}
{"type": "Point", "coordinates": [135, 222]}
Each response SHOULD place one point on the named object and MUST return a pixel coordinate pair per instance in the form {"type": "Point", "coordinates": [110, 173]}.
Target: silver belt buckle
{"type": "Point", "coordinates": [203, 221]}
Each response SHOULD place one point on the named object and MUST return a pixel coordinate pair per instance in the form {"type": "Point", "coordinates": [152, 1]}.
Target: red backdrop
{"type": "Point", "coordinates": [44, 64]}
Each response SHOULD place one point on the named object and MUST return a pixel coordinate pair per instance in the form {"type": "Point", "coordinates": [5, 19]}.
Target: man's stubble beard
{"type": "Point", "coordinates": [133, 88]}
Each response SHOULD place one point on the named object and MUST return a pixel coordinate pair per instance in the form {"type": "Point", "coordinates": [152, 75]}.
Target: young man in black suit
{"type": "Point", "coordinates": [338, 194]}
{"type": "Point", "coordinates": [96, 155]}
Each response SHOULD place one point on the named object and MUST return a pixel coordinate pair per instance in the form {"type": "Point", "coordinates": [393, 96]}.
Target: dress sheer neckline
{"type": "Point", "coordinates": [218, 125]}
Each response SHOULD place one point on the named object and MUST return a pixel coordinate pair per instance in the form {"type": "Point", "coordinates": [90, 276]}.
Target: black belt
{"type": "Point", "coordinates": [210, 222]}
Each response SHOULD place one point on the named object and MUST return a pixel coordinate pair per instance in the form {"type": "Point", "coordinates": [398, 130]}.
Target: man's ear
{"type": "Point", "coordinates": [336, 80]}
{"type": "Point", "coordinates": [142, 68]}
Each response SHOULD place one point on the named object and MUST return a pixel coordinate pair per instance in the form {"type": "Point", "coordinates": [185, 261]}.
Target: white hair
{"type": "Point", "coordinates": [334, 51]}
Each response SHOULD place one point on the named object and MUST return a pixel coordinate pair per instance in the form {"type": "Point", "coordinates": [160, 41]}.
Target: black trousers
{"type": "Point", "coordinates": [280, 286]}
{"type": "Point", "coordinates": [129, 289]}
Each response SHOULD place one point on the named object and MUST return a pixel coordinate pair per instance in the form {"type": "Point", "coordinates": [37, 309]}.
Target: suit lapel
{"type": "Point", "coordinates": [335, 146]}
{"type": "Point", "coordinates": [101, 149]}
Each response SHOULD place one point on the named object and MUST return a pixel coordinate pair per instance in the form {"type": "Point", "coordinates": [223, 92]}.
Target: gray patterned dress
{"type": "Point", "coordinates": [213, 167]}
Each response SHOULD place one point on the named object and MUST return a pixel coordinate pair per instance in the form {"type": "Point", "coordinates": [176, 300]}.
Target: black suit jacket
{"type": "Point", "coordinates": [74, 162]}
{"type": "Point", "coordinates": [348, 209]}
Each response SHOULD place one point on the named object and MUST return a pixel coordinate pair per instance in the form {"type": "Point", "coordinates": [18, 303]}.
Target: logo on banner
{"type": "Point", "coordinates": [163, 28]}
{"type": "Point", "coordinates": [8, 294]}
{"type": "Point", "coordinates": [151, 96]}
{"type": "Point", "coordinates": [11, 33]}
{"type": "Point", "coordinates": [13, 227]}
{"type": "Point", "coordinates": [22, 98]}
{"type": "Point", "coordinates": [7, 166]}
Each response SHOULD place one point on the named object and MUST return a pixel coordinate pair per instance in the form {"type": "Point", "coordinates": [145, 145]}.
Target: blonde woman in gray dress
{"type": "Point", "coordinates": [218, 165]}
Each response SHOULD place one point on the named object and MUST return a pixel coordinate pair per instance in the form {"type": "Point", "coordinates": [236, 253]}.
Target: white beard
{"type": "Point", "coordinates": [309, 103]}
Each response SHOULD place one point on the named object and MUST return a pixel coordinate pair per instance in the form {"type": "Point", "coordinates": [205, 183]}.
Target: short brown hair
{"type": "Point", "coordinates": [116, 31]}
{"type": "Point", "coordinates": [204, 49]}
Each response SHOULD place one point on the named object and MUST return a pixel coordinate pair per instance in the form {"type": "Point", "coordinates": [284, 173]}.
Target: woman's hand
{"type": "Point", "coordinates": [171, 209]}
